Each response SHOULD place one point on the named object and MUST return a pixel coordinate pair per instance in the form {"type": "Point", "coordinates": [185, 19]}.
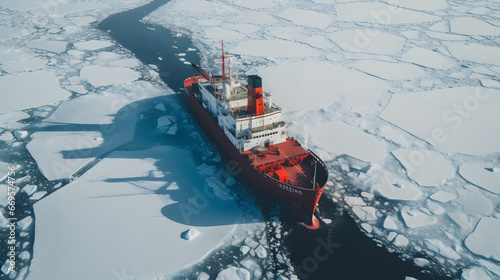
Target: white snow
{"type": "Point", "coordinates": [415, 218]}
{"type": "Point", "coordinates": [485, 240]}
{"type": "Point", "coordinates": [99, 76]}
{"type": "Point", "coordinates": [338, 138]}
{"type": "Point", "coordinates": [121, 180]}
{"type": "Point", "coordinates": [244, 249]}
{"type": "Point", "coordinates": [25, 223]}
{"type": "Point", "coordinates": [428, 58]}
{"type": "Point", "coordinates": [47, 45]}
{"type": "Point", "coordinates": [380, 13]}
{"type": "Point", "coordinates": [203, 276]}
{"type": "Point", "coordinates": [475, 205]}
{"type": "Point", "coordinates": [275, 48]}
{"type": "Point", "coordinates": [390, 224]}
{"type": "Point", "coordinates": [427, 168]}
{"type": "Point", "coordinates": [437, 246]}
{"type": "Point", "coordinates": [389, 70]}
{"type": "Point", "coordinates": [19, 134]}
{"type": "Point", "coordinates": [310, 78]}
{"type": "Point", "coordinates": [25, 65]}
{"type": "Point", "coordinates": [190, 234]}
{"type": "Point", "coordinates": [423, 5]}
{"type": "Point", "coordinates": [391, 187]}
{"type": "Point", "coordinates": [42, 88]}
{"type": "Point", "coordinates": [473, 26]}
{"type": "Point", "coordinates": [450, 119]}
{"type": "Point", "coordinates": [261, 252]}
{"type": "Point", "coordinates": [233, 273]}
{"type": "Point", "coordinates": [95, 124]}
{"type": "Point", "coordinates": [365, 213]}
{"type": "Point", "coordinates": [368, 41]}
{"type": "Point", "coordinates": [476, 52]}
{"type": "Point", "coordinates": [443, 196]}
{"type": "Point", "coordinates": [476, 273]}
{"type": "Point", "coordinates": [401, 241]}
{"type": "Point", "coordinates": [482, 175]}
{"type": "Point", "coordinates": [29, 189]}
{"type": "Point", "coordinates": [92, 45]}
{"type": "Point", "coordinates": [307, 18]}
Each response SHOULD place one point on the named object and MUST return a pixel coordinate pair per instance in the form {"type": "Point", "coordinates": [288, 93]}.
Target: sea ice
{"type": "Point", "coordinates": [389, 186]}
{"type": "Point", "coordinates": [415, 218]}
{"type": "Point", "coordinates": [307, 18]}
{"type": "Point", "coordinates": [428, 58]}
{"type": "Point", "coordinates": [475, 205]}
{"type": "Point", "coordinates": [338, 138]}
{"type": "Point", "coordinates": [47, 45]}
{"type": "Point", "coordinates": [485, 240]}
{"type": "Point", "coordinates": [359, 89]}
{"type": "Point", "coordinates": [473, 26]}
{"type": "Point", "coordinates": [437, 246]}
{"type": "Point", "coordinates": [390, 224]}
{"type": "Point", "coordinates": [381, 13]}
{"type": "Point", "coordinates": [99, 76]}
{"type": "Point", "coordinates": [190, 234]}
{"type": "Point", "coordinates": [442, 196]}
{"type": "Point", "coordinates": [476, 52]}
{"type": "Point", "coordinates": [389, 70]}
{"type": "Point", "coordinates": [92, 45]}
{"type": "Point", "coordinates": [29, 189]}
{"type": "Point", "coordinates": [101, 199]}
{"type": "Point", "coordinates": [43, 88]}
{"type": "Point", "coordinates": [476, 273]}
{"type": "Point", "coordinates": [233, 273]}
{"type": "Point", "coordinates": [261, 252]}
{"type": "Point", "coordinates": [401, 241]}
{"type": "Point", "coordinates": [482, 175]}
{"type": "Point", "coordinates": [423, 5]}
{"type": "Point", "coordinates": [368, 41]}
{"type": "Point", "coordinates": [25, 65]}
{"type": "Point", "coordinates": [275, 48]}
{"type": "Point", "coordinates": [427, 168]}
{"type": "Point", "coordinates": [450, 119]}
{"type": "Point", "coordinates": [86, 127]}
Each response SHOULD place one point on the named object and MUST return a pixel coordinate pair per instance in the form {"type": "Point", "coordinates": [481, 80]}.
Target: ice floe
{"type": "Point", "coordinates": [483, 175]}
{"type": "Point", "coordinates": [158, 215]}
{"type": "Point", "coordinates": [104, 76]}
{"type": "Point", "coordinates": [31, 90]}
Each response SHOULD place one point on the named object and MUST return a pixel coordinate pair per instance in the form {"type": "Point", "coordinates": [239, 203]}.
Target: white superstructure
{"type": "Point", "coordinates": [227, 102]}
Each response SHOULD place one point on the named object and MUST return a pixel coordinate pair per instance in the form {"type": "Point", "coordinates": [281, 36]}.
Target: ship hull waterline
{"type": "Point", "coordinates": [302, 201]}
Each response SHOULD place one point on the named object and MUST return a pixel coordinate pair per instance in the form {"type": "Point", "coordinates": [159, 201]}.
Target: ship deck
{"type": "Point", "coordinates": [299, 174]}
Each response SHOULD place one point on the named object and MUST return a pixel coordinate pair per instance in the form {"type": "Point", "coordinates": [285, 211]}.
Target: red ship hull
{"type": "Point", "coordinates": [304, 200]}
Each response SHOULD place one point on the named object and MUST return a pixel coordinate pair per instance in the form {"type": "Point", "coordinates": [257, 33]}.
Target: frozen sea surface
{"type": "Point", "coordinates": [404, 91]}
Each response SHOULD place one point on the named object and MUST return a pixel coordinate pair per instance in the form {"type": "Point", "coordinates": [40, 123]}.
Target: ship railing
{"type": "Point", "coordinates": [267, 127]}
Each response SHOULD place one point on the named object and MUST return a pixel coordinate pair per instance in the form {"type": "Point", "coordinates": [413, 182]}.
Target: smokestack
{"type": "Point", "coordinates": [255, 96]}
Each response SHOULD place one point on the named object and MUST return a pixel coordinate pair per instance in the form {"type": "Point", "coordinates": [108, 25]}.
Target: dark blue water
{"type": "Point", "coordinates": [335, 251]}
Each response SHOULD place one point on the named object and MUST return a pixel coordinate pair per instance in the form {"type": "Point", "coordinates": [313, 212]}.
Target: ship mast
{"type": "Point", "coordinates": [223, 57]}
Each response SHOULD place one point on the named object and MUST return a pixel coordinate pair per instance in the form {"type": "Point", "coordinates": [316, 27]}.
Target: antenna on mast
{"type": "Point", "coordinates": [223, 57]}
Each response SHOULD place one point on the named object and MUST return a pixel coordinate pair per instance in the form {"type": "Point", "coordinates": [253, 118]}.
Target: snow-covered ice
{"type": "Point", "coordinates": [450, 119]}
{"type": "Point", "coordinates": [485, 240]}
{"type": "Point", "coordinates": [338, 138]}
{"type": "Point", "coordinates": [427, 58]}
{"type": "Point", "coordinates": [233, 273]}
{"type": "Point", "coordinates": [159, 215]}
{"type": "Point", "coordinates": [483, 175]}
{"type": "Point", "coordinates": [427, 168]}
{"type": "Point", "coordinates": [92, 45]}
{"type": "Point", "coordinates": [380, 13]}
{"type": "Point", "coordinates": [99, 76]}
{"type": "Point", "coordinates": [43, 88]}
